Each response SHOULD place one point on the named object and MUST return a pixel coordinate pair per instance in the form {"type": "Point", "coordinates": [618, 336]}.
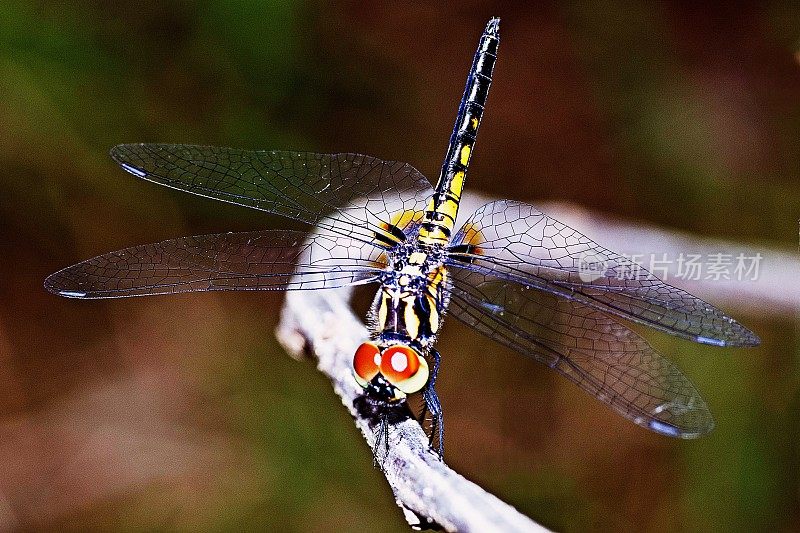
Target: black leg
{"type": "Point", "coordinates": [423, 413]}
{"type": "Point", "coordinates": [432, 404]}
{"type": "Point", "coordinates": [381, 440]}
{"type": "Point", "coordinates": [437, 427]}
{"type": "Point", "coordinates": [431, 380]}
{"type": "Point", "coordinates": [386, 442]}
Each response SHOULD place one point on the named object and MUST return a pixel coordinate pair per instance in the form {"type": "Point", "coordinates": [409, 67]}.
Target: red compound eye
{"type": "Point", "coordinates": [366, 362]}
{"type": "Point", "coordinates": [405, 368]}
{"type": "Point", "coordinates": [398, 363]}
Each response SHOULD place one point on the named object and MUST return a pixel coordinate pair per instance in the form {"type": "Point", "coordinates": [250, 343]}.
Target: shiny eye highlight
{"type": "Point", "coordinates": [404, 368]}
{"type": "Point", "coordinates": [366, 363]}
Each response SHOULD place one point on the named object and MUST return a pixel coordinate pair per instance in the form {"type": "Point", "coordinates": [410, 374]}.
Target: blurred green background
{"type": "Point", "coordinates": [184, 413]}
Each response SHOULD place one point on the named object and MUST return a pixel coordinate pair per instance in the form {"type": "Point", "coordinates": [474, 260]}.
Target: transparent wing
{"type": "Point", "coordinates": [515, 241]}
{"type": "Point", "coordinates": [260, 260]}
{"type": "Point", "coordinates": [603, 357]}
{"type": "Point", "coordinates": [348, 194]}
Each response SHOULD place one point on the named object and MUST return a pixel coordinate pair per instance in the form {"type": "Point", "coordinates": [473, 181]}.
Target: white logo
{"type": "Point", "coordinates": [592, 267]}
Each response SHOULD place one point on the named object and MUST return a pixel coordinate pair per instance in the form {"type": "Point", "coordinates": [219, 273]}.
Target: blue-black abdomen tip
{"type": "Point", "coordinates": [493, 27]}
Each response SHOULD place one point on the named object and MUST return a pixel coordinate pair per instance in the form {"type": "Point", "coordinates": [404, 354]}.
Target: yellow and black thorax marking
{"type": "Point", "coordinates": [412, 307]}
{"type": "Point", "coordinates": [440, 215]}
{"type": "Point", "coordinates": [396, 229]}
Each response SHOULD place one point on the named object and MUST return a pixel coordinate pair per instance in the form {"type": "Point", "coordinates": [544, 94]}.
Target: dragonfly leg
{"type": "Point", "coordinates": [381, 441]}
{"type": "Point", "coordinates": [433, 405]}
{"type": "Point", "coordinates": [423, 413]}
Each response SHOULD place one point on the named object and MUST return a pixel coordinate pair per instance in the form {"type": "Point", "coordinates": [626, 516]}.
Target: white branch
{"type": "Point", "coordinates": [321, 324]}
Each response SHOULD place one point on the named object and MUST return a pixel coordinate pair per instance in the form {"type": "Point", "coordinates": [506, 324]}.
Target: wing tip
{"type": "Point", "coordinates": [121, 155]}
{"type": "Point", "coordinates": [678, 432]}
{"type": "Point", "coordinates": [54, 285]}
{"type": "Point", "coordinates": [750, 338]}
{"type": "Point", "coordinates": [118, 151]}
{"type": "Point", "coordinates": [743, 337]}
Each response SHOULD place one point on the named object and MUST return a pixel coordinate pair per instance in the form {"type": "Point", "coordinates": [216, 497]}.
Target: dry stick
{"type": "Point", "coordinates": [321, 324]}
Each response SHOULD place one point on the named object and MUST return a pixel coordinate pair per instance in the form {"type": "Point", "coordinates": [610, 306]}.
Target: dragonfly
{"type": "Point", "coordinates": [510, 271]}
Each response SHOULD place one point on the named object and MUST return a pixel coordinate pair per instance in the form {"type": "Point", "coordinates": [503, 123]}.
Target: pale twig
{"type": "Point", "coordinates": [320, 324]}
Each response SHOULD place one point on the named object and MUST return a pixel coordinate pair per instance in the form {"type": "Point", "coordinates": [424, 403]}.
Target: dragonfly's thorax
{"type": "Point", "coordinates": [413, 295]}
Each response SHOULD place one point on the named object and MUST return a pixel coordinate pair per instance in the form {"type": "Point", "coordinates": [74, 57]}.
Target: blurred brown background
{"type": "Point", "coordinates": [183, 413]}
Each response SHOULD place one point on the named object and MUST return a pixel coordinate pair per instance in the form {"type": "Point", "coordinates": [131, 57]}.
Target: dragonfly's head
{"type": "Point", "coordinates": [390, 372]}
